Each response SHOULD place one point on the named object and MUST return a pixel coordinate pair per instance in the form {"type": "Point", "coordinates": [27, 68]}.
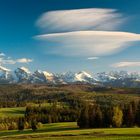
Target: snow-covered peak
{"type": "Point", "coordinates": [47, 74]}
{"type": "Point", "coordinates": [43, 76]}
{"type": "Point", "coordinates": [24, 69]}
{"type": "Point", "coordinates": [4, 69]}
{"type": "Point", "coordinates": [83, 74]}
{"type": "Point", "coordinates": [5, 75]}
{"type": "Point", "coordinates": [113, 78]}
{"type": "Point", "coordinates": [23, 75]}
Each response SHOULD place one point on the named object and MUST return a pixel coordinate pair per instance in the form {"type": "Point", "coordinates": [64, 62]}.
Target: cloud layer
{"type": "Point", "coordinates": [89, 43]}
{"type": "Point", "coordinates": [80, 19]}
{"type": "Point", "coordinates": [85, 33]}
{"type": "Point", "coordinates": [126, 64]}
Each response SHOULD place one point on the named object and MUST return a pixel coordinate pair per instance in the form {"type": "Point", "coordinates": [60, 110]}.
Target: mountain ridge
{"type": "Point", "coordinates": [112, 78]}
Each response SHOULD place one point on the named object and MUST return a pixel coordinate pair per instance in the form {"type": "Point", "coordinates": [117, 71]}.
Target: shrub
{"type": "Point", "coordinates": [26, 125]}
{"type": "Point", "coordinates": [39, 125]}
{"type": "Point", "coordinates": [12, 126]}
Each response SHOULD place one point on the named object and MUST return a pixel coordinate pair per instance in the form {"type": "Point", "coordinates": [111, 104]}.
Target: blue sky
{"type": "Point", "coordinates": [70, 35]}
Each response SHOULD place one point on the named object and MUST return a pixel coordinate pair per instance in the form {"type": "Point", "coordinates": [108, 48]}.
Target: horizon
{"type": "Point", "coordinates": [59, 36]}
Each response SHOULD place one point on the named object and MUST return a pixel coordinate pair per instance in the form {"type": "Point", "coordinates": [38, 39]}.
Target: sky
{"type": "Point", "coordinates": [70, 35]}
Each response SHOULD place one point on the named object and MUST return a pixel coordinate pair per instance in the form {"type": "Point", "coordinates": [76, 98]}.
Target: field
{"type": "Point", "coordinates": [15, 98]}
{"type": "Point", "coordinates": [12, 112]}
{"type": "Point", "coordinates": [69, 130]}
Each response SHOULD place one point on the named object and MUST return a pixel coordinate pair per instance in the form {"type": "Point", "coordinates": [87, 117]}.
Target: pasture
{"type": "Point", "coordinates": [69, 130]}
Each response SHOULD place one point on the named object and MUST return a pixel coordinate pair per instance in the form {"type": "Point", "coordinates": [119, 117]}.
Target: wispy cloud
{"type": "Point", "coordinates": [80, 19]}
{"type": "Point", "coordinates": [24, 60]}
{"type": "Point", "coordinates": [89, 43]}
{"type": "Point", "coordinates": [126, 64]}
{"type": "Point", "coordinates": [8, 60]}
{"type": "Point", "coordinates": [93, 58]}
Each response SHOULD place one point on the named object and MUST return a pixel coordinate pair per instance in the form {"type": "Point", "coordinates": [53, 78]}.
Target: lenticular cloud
{"type": "Point", "coordinates": [80, 19]}
{"type": "Point", "coordinates": [89, 43]}
{"type": "Point", "coordinates": [84, 32]}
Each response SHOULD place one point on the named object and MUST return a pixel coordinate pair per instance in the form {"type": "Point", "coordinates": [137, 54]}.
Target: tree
{"type": "Point", "coordinates": [98, 117]}
{"type": "Point", "coordinates": [83, 121]}
{"type": "Point", "coordinates": [95, 116]}
{"type": "Point", "coordinates": [92, 113]}
{"type": "Point", "coordinates": [34, 125]}
{"type": "Point", "coordinates": [117, 117]}
{"type": "Point", "coordinates": [138, 115]}
{"type": "Point", "coordinates": [21, 124]}
{"type": "Point", "coordinates": [107, 117]}
{"type": "Point", "coordinates": [130, 116]}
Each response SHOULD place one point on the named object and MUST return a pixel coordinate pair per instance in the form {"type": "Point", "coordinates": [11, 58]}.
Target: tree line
{"type": "Point", "coordinates": [87, 115]}
{"type": "Point", "coordinates": [51, 114]}
{"type": "Point", "coordinates": [94, 116]}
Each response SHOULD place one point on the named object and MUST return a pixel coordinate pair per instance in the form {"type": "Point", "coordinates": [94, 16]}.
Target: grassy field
{"type": "Point", "coordinates": [67, 131]}
{"type": "Point", "coordinates": [12, 112]}
{"type": "Point", "coordinates": [19, 111]}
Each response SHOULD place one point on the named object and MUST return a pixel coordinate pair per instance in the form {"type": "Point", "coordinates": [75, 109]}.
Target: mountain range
{"type": "Point", "coordinates": [113, 78]}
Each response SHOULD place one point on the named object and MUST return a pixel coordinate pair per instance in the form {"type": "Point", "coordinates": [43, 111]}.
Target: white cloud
{"type": "Point", "coordinates": [84, 32]}
{"type": "Point", "coordinates": [2, 54]}
{"type": "Point", "coordinates": [89, 43]}
{"type": "Point", "coordinates": [24, 60]}
{"type": "Point", "coordinates": [80, 19]}
{"type": "Point", "coordinates": [126, 64]}
{"type": "Point", "coordinates": [93, 58]}
{"type": "Point", "coordinates": [8, 60]}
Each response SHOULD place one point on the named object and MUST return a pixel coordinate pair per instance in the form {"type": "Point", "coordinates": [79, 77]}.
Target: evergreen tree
{"type": "Point", "coordinates": [98, 118]}
{"type": "Point", "coordinates": [21, 124]}
{"type": "Point", "coordinates": [92, 113]}
{"type": "Point", "coordinates": [130, 116]}
{"type": "Point", "coordinates": [107, 117]}
{"type": "Point", "coordinates": [34, 125]}
{"type": "Point", "coordinates": [138, 115]}
{"type": "Point", "coordinates": [83, 121]}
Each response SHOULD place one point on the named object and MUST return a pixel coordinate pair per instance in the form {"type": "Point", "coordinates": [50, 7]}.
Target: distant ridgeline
{"type": "Point", "coordinates": [113, 78]}
{"type": "Point", "coordinates": [15, 95]}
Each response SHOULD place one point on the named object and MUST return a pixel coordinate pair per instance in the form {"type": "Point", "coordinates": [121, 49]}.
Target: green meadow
{"type": "Point", "coordinates": [12, 112]}
{"type": "Point", "coordinates": [69, 130]}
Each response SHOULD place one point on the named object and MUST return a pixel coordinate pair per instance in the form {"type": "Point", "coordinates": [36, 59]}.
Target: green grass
{"type": "Point", "coordinates": [19, 111]}
{"type": "Point", "coordinates": [68, 131]}
{"type": "Point", "coordinates": [12, 112]}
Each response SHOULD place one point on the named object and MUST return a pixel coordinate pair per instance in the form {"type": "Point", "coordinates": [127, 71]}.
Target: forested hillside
{"type": "Point", "coordinates": [20, 95]}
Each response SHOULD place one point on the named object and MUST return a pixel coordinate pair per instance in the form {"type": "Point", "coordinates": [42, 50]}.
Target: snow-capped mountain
{"type": "Point", "coordinates": [42, 77]}
{"type": "Point", "coordinates": [71, 77]}
{"type": "Point", "coordinates": [112, 78]}
{"type": "Point", "coordinates": [104, 77]}
{"type": "Point", "coordinates": [23, 75]}
{"type": "Point", "coordinates": [5, 75]}
{"type": "Point", "coordinates": [119, 79]}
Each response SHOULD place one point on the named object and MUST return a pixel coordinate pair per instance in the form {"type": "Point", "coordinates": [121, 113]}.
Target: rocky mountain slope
{"type": "Point", "coordinates": [113, 78]}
